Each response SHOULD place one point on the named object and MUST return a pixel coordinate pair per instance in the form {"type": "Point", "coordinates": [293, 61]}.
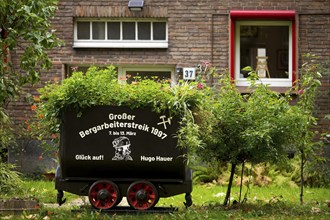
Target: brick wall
{"type": "Point", "coordinates": [198, 30]}
{"type": "Point", "coordinates": [314, 37]}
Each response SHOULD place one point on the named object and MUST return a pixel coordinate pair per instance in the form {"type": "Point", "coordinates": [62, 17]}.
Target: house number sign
{"type": "Point", "coordinates": [189, 73]}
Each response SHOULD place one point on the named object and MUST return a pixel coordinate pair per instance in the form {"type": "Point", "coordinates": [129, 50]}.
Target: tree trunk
{"type": "Point", "coordinates": [241, 185]}
{"type": "Point", "coordinates": [302, 176]}
{"type": "Point", "coordinates": [232, 172]}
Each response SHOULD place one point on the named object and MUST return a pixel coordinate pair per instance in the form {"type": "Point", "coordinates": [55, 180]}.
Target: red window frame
{"type": "Point", "coordinates": [263, 15]}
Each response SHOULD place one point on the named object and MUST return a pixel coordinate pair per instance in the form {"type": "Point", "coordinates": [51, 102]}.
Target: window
{"type": "Point", "coordinates": [161, 72]}
{"type": "Point", "coordinates": [264, 40]}
{"type": "Point", "coordinates": [84, 29]}
{"type": "Point", "coordinates": [155, 75]}
{"type": "Point", "coordinates": [70, 68]}
{"type": "Point", "coordinates": [144, 30]}
{"type": "Point", "coordinates": [120, 34]}
{"type": "Point", "coordinates": [128, 30]}
{"type": "Point", "coordinates": [128, 73]}
{"type": "Point", "coordinates": [98, 30]}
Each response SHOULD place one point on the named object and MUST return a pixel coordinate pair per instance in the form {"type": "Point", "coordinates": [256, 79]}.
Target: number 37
{"type": "Point", "coordinates": [189, 73]}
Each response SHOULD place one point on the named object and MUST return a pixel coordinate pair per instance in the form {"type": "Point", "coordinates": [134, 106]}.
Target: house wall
{"type": "Point", "coordinates": [197, 31]}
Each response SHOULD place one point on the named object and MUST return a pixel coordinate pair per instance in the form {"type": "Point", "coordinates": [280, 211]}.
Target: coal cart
{"type": "Point", "coordinates": [111, 152]}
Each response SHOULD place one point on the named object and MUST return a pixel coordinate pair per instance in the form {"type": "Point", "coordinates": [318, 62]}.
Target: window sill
{"type": "Point", "coordinates": [119, 44]}
{"type": "Point", "coordinates": [282, 90]}
{"type": "Point", "coordinates": [271, 82]}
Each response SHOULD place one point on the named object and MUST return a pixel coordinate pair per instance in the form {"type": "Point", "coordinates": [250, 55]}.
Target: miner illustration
{"type": "Point", "coordinates": [123, 151]}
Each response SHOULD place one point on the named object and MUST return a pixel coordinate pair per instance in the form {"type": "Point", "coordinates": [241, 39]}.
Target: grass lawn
{"type": "Point", "coordinates": [262, 203]}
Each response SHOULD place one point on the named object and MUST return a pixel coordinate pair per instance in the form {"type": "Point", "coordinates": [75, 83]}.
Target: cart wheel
{"type": "Point", "coordinates": [142, 195]}
{"type": "Point", "coordinates": [104, 194]}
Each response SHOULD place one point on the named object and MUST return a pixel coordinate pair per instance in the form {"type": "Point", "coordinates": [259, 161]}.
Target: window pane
{"type": "Point", "coordinates": [144, 30]}
{"type": "Point", "coordinates": [155, 75]}
{"type": "Point", "coordinates": [98, 30]}
{"type": "Point", "coordinates": [114, 30]}
{"type": "Point", "coordinates": [69, 69]}
{"type": "Point", "coordinates": [128, 30]}
{"type": "Point", "coordinates": [159, 30]}
{"type": "Point", "coordinates": [272, 42]}
{"type": "Point", "coordinates": [83, 30]}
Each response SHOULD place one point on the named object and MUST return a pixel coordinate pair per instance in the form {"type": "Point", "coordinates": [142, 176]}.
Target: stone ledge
{"type": "Point", "coordinates": [18, 205]}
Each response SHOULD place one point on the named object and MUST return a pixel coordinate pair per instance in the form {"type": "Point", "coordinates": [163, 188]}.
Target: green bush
{"type": "Point", "coordinates": [6, 132]}
{"type": "Point", "coordinates": [101, 87]}
{"type": "Point", "coordinates": [211, 171]}
{"type": "Point", "coordinates": [10, 180]}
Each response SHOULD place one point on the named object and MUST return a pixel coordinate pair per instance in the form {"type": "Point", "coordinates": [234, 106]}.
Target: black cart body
{"type": "Point", "coordinates": [115, 147]}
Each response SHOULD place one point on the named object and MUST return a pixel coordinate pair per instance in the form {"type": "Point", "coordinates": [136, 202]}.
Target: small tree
{"type": "Point", "coordinates": [307, 94]}
{"type": "Point", "coordinates": [251, 128]}
{"type": "Point", "coordinates": [24, 25]}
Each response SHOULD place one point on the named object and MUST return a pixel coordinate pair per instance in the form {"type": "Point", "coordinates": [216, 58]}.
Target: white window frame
{"type": "Point", "coordinates": [122, 69]}
{"type": "Point", "coordinates": [274, 82]}
{"type": "Point", "coordinates": [90, 43]}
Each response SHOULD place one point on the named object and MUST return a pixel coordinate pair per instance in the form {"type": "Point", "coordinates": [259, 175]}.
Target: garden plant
{"type": "Point", "coordinates": [262, 126]}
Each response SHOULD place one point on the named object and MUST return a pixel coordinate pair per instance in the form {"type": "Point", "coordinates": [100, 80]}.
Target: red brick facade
{"type": "Point", "coordinates": [197, 31]}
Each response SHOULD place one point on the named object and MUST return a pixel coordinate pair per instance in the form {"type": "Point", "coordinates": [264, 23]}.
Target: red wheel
{"type": "Point", "coordinates": [142, 195]}
{"type": "Point", "coordinates": [104, 194]}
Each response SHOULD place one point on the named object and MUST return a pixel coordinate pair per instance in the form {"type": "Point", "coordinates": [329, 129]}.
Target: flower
{"type": "Point", "coordinates": [28, 127]}
{"type": "Point", "coordinates": [74, 68]}
{"type": "Point", "coordinates": [40, 157]}
{"type": "Point", "coordinates": [122, 78]}
{"type": "Point", "coordinates": [33, 107]}
{"type": "Point", "coordinates": [200, 86]}
{"type": "Point", "coordinates": [300, 92]}
{"type": "Point", "coordinates": [206, 63]}
{"type": "Point", "coordinates": [36, 98]}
